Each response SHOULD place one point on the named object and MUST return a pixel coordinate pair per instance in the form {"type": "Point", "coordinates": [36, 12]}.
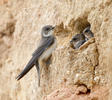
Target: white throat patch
{"type": "Point", "coordinates": [49, 34]}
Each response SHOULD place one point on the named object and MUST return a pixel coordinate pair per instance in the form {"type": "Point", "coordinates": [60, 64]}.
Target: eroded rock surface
{"type": "Point", "coordinates": [71, 94]}
{"type": "Point", "coordinates": [20, 25]}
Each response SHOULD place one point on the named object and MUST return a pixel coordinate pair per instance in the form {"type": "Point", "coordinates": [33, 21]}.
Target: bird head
{"type": "Point", "coordinates": [47, 31]}
{"type": "Point", "coordinates": [87, 32]}
{"type": "Point", "coordinates": [77, 37]}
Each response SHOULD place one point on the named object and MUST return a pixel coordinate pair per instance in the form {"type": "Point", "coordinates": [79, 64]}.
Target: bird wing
{"type": "Point", "coordinates": [45, 43]}
{"type": "Point", "coordinates": [26, 69]}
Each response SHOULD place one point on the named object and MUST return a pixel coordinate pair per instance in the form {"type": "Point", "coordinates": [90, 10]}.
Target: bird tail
{"type": "Point", "coordinates": [26, 69]}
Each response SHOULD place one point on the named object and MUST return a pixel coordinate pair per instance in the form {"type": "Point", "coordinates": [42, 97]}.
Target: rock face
{"type": "Point", "coordinates": [78, 93]}
{"type": "Point", "coordinates": [20, 25]}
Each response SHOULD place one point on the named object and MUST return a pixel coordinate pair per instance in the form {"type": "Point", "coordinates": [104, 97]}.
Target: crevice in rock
{"type": "Point", "coordinates": [94, 74]}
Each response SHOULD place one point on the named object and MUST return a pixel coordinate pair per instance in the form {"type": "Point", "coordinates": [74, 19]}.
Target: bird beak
{"type": "Point", "coordinates": [53, 27]}
{"type": "Point", "coordinates": [70, 41]}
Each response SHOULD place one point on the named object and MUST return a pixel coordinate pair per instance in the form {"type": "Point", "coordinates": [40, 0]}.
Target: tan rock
{"type": "Point", "coordinates": [99, 93]}
{"type": "Point", "coordinates": [20, 25]}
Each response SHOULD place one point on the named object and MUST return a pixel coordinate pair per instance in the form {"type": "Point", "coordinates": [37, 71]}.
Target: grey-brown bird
{"type": "Point", "coordinates": [88, 33]}
{"type": "Point", "coordinates": [46, 46]}
{"type": "Point", "coordinates": [77, 40]}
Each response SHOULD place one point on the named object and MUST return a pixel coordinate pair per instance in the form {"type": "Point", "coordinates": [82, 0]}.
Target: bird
{"type": "Point", "coordinates": [88, 33]}
{"type": "Point", "coordinates": [44, 50]}
{"type": "Point", "coordinates": [77, 40]}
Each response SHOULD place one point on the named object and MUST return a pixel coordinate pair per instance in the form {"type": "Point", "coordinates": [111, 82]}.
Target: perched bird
{"type": "Point", "coordinates": [87, 32]}
{"type": "Point", "coordinates": [46, 46]}
{"type": "Point", "coordinates": [77, 40]}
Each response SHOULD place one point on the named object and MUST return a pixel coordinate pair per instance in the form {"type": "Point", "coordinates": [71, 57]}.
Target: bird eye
{"type": "Point", "coordinates": [75, 39]}
{"type": "Point", "coordinates": [86, 30]}
{"type": "Point", "coordinates": [47, 29]}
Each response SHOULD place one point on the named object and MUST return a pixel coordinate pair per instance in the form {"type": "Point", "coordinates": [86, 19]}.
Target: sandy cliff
{"type": "Point", "coordinates": [83, 74]}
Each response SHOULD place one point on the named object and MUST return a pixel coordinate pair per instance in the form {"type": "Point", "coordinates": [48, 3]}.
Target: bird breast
{"type": "Point", "coordinates": [48, 51]}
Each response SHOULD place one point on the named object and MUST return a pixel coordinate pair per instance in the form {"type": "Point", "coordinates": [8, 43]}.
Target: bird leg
{"type": "Point", "coordinates": [38, 72]}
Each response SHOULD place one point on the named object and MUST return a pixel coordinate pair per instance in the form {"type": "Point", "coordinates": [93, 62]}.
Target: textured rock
{"type": "Point", "coordinates": [71, 94]}
{"type": "Point", "coordinates": [20, 25]}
